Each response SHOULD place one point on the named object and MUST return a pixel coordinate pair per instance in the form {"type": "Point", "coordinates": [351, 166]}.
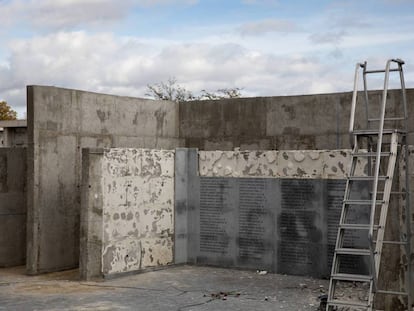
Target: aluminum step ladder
{"type": "Point", "coordinates": [380, 148]}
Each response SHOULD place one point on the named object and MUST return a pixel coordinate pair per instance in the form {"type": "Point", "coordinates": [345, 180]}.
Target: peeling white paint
{"type": "Point", "coordinates": [138, 209]}
{"type": "Point", "coordinates": [278, 163]}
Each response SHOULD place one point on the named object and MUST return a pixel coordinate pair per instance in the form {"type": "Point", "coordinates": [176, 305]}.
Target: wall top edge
{"type": "Point", "coordinates": [96, 93]}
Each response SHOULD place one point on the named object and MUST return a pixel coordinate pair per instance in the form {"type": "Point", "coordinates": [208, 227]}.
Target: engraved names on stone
{"type": "Point", "coordinates": [252, 214]}
{"type": "Point", "coordinates": [214, 197]}
{"type": "Point", "coordinates": [296, 222]}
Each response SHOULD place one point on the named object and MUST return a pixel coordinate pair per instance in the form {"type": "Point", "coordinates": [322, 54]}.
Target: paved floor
{"type": "Point", "coordinates": [177, 288]}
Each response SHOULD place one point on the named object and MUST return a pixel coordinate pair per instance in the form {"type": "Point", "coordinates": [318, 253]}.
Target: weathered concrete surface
{"type": "Point", "coordinates": [181, 288]}
{"type": "Point", "coordinates": [284, 163]}
{"type": "Point", "coordinates": [282, 122]}
{"type": "Point", "coordinates": [129, 209]}
{"type": "Point", "coordinates": [399, 278]}
{"type": "Point", "coordinates": [13, 133]}
{"type": "Point", "coordinates": [91, 223]}
{"type": "Point", "coordinates": [12, 206]}
{"type": "Point", "coordinates": [60, 123]}
{"type": "Point", "coordinates": [186, 184]}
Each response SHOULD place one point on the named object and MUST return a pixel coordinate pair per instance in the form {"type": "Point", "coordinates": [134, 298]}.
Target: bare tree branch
{"type": "Point", "coordinates": [171, 90]}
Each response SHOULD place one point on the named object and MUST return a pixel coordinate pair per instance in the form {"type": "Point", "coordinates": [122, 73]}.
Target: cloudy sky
{"type": "Point", "coordinates": [266, 47]}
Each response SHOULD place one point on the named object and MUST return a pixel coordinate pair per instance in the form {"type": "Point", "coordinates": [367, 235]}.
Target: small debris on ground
{"type": "Point", "coordinates": [223, 295]}
{"type": "Point", "coordinates": [303, 285]}
{"type": "Point", "coordinates": [261, 272]}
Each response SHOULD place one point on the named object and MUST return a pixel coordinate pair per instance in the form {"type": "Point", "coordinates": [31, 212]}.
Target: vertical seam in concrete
{"type": "Point", "coordinates": [102, 192]}
{"type": "Point", "coordinates": [32, 212]}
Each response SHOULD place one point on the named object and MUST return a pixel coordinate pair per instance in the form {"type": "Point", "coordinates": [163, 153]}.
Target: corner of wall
{"type": "Point", "coordinates": [90, 264]}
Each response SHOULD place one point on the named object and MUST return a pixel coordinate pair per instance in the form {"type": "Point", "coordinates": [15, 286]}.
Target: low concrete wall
{"type": "Point", "coordinates": [127, 210]}
{"type": "Point", "coordinates": [12, 206]}
{"type": "Point", "coordinates": [60, 123]}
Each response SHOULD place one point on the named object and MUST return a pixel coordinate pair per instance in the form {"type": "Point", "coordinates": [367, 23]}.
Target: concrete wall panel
{"type": "Point", "coordinates": [317, 121]}
{"type": "Point", "coordinates": [12, 206]}
{"type": "Point", "coordinates": [137, 219]}
{"type": "Point", "coordinates": [90, 259]}
{"type": "Point", "coordinates": [60, 123]}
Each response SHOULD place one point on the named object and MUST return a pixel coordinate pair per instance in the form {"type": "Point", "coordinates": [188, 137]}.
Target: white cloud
{"type": "Point", "coordinates": [267, 26]}
{"type": "Point", "coordinates": [65, 14]}
{"type": "Point", "coordinates": [124, 66]}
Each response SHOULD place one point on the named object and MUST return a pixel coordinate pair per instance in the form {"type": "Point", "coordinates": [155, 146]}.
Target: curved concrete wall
{"type": "Point", "coordinates": [300, 122]}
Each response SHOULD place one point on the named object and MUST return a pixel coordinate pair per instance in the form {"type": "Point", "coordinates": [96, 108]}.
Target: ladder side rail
{"type": "Point", "coordinates": [385, 204]}
{"type": "Point", "coordinates": [408, 250]}
{"type": "Point", "coordinates": [404, 95]}
{"type": "Point", "coordinates": [376, 172]}
{"type": "Point", "coordinates": [379, 147]}
{"type": "Point", "coordinates": [364, 75]}
{"type": "Point", "coordinates": [354, 100]}
{"type": "Point", "coordinates": [339, 236]}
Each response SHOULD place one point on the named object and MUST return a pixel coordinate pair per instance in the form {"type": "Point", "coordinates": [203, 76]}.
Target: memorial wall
{"type": "Point", "coordinates": [268, 210]}
{"type": "Point", "coordinates": [150, 208]}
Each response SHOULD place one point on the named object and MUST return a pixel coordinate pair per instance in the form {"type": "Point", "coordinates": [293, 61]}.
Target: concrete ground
{"type": "Point", "coordinates": [176, 288]}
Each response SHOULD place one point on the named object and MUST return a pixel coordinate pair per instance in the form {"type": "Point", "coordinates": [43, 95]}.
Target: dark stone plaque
{"type": "Point", "coordinates": [214, 205]}
{"type": "Point", "coordinates": [335, 196]}
{"type": "Point", "coordinates": [252, 218]}
{"type": "Point", "coordinates": [281, 225]}
{"type": "Point", "coordinates": [300, 225]}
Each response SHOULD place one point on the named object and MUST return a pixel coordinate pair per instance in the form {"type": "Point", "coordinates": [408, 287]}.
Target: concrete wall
{"type": "Point", "coordinates": [281, 122]}
{"type": "Point", "coordinates": [60, 123]}
{"type": "Point", "coordinates": [400, 264]}
{"type": "Point", "coordinates": [14, 137]}
{"type": "Point", "coordinates": [127, 210]}
{"type": "Point", "coordinates": [13, 133]}
{"type": "Point", "coordinates": [12, 206]}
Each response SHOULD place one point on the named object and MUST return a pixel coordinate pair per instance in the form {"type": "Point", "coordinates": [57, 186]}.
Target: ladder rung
{"type": "Point", "coordinates": [370, 154]}
{"type": "Point", "coordinates": [347, 303]}
{"type": "Point", "coordinates": [387, 119]}
{"type": "Point", "coordinates": [357, 226]}
{"type": "Point", "coordinates": [363, 202]}
{"type": "Point", "coordinates": [367, 178]}
{"type": "Point", "coordinates": [391, 292]}
{"type": "Point", "coordinates": [376, 132]}
{"type": "Point", "coordinates": [380, 71]}
{"type": "Point", "coordinates": [392, 192]}
{"type": "Point", "coordinates": [351, 277]}
{"type": "Point", "coordinates": [353, 251]}
{"type": "Point", "coordinates": [393, 242]}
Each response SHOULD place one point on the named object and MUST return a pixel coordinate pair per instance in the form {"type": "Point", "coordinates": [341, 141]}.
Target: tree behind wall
{"type": "Point", "coordinates": [171, 90]}
{"type": "Point", "coordinates": [6, 113]}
